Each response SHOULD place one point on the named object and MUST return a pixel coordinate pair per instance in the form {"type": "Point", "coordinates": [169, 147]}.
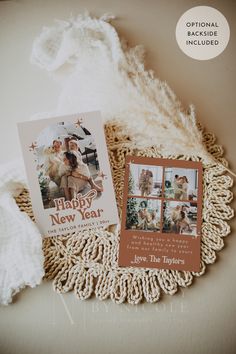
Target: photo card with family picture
{"type": "Point", "coordinates": [161, 216]}
{"type": "Point", "coordinates": [68, 173]}
{"type": "Point", "coordinates": [181, 183]}
{"type": "Point", "coordinates": [143, 214]}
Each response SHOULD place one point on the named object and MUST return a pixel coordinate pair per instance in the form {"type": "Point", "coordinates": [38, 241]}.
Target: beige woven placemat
{"type": "Point", "coordinates": [86, 262]}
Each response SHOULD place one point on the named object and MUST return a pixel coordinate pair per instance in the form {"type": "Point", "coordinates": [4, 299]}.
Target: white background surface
{"type": "Point", "coordinates": [200, 319]}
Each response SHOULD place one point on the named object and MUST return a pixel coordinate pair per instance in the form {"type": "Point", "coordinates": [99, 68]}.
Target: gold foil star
{"type": "Point", "coordinates": [32, 146]}
{"type": "Point", "coordinates": [102, 175]}
{"type": "Point", "coordinates": [79, 122]}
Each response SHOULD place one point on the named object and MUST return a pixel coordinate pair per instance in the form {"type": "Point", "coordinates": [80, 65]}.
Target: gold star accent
{"type": "Point", "coordinates": [79, 122]}
{"type": "Point", "coordinates": [32, 146]}
{"type": "Point", "coordinates": [102, 175]}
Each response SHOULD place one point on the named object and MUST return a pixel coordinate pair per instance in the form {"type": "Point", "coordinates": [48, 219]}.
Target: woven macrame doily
{"type": "Point", "coordinates": [86, 262]}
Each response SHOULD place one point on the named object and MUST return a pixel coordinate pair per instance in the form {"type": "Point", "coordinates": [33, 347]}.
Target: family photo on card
{"type": "Point", "coordinates": [179, 184]}
{"type": "Point", "coordinates": [67, 162]}
{"type": "Point", "coordinates": [68, 172]}
{"type": "Point", "coordinates": [161, 198]}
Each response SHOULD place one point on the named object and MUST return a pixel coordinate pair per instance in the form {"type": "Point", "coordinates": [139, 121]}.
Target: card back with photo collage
{"type": "Point", "coordinates": [161, 215]}
{"type": "Point", "coordinates": [68, 172]}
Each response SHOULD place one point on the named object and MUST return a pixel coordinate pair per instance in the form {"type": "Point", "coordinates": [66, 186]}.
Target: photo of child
{"type": "Point", "coordinates": [145, 180]}
{"type": "Point", "coordinates": [181, 183]}
{"type": "Point", "coordinates": [143, 214]}
{"type": "Point", "coordinates": [180, 217]}
{"type": "Point", "coordinates": [67, 162]}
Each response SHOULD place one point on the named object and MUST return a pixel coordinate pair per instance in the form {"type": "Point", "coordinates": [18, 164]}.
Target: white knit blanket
{"type": "Point", "coordinates": [21, 256]}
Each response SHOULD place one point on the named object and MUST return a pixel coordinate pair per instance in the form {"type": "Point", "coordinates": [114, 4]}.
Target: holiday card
{"type": "Point", "coordinates": [161, 216]}
{"type": "Point", "coordinates": [68, 173]}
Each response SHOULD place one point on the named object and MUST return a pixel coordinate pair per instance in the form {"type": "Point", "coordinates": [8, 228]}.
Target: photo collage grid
{"type": "Point", "coordinates": [162, 199]}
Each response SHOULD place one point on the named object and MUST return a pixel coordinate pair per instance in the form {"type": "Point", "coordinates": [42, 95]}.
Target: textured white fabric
{"type": "Point", "coordinates": [21, 255]}
{"type": "Point", "coordinates": [99, 71]}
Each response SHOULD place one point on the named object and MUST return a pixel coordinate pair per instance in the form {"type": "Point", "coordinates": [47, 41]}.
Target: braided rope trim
{"type": "Point", "coordinates": [86, 262]}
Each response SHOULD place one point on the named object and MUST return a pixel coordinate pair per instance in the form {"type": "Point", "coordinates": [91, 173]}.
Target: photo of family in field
{"type": "Point", "coordinates": [67, 162]}
{"type": "Point", "coordinates": [181, 183]}
{"type": "Point", "coordinates": [146, 180]}
{"type": "Point", "coordinates": [143, 214]}
{"type": "Point", "coordinates": [180, 218]}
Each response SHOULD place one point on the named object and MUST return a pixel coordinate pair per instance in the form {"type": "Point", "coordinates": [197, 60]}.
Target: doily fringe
{"type": "Point", "coordinates": [86, 262]}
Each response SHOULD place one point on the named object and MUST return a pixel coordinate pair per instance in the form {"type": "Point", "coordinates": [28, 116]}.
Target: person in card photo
{"type": "Point", "coordinates": [181, 183]}
{"type": "Point", "coordinates": [78, 176]}
{"type": "Point", "coordinates": [67, 162]}
{"type": "Point", "coordinates": [180, 218]}
{"type": "Point", "coordinates": [180, 186]}
{"type": "Point", "coordinates": [145, 180]}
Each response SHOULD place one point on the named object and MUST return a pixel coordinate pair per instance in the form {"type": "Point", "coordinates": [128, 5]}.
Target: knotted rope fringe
{"type": "Point", "coordinates": [86, 262]}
